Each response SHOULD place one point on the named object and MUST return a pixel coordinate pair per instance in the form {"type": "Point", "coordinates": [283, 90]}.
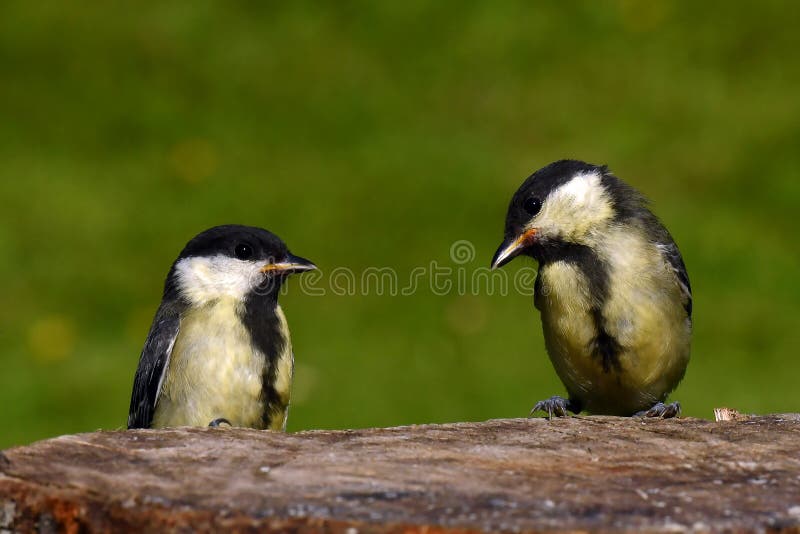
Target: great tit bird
{"type": "Point", "coordinates": [612, 290]}
{"type": "Point", "coordinates": [219, 349]}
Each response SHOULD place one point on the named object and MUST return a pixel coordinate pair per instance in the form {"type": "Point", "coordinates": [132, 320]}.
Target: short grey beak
{"type": "Point", "coordinates": [292, 264]}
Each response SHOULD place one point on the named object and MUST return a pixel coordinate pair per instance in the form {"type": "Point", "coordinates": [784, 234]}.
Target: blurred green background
{"type": "Point", "coordinates": [377, 135]}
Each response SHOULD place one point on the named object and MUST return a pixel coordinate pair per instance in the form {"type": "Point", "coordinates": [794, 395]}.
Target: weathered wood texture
{"type": "Point", "coordinates": [512, 475]}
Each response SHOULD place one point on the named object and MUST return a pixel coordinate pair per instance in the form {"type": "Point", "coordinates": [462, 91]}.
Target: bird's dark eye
{"type": "Point", "coordinates": [532, 205]}
{"type": "Point", "coordinates": [243, 251]}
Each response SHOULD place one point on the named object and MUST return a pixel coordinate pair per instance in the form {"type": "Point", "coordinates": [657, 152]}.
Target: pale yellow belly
{"type": "Point", "coordinates": [651, 328]}
{"type": "Point", "coordinates": [214, 372]}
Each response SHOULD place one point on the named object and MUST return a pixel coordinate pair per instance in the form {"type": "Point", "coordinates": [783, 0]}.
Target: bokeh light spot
{"type": "Point", "coordinates": [644, 16]}
{"type": "Point", "coordinates": [193, 160]}
{"type": "Point", "coordinates": [304, 383]}
{"type": "Point", "coordinates": [52, 339]}
{"type": "Point", "coordinates": [466, 315]}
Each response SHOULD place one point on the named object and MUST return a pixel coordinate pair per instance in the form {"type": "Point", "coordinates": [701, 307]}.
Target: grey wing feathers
{"type": "Point", "coordinates": [153, 365]}
{"type": "Point", "coordinates": [673, 257]}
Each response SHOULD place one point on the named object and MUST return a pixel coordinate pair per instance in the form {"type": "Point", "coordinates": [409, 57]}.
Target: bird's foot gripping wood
{"type": "Point", "coordinates": [220, 421]}
{"type": "Point", "coordinates": [557, 406]}
{"type": "Point", "coordinates": [664, 411]}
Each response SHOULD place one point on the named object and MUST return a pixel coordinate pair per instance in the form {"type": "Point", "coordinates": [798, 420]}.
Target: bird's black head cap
{"type": "Point", "coordinates": [539, 185]}
{"type": "Point", "coordinates": [237, 241]}
{"type": "Point", "coordinates": [257, 257]}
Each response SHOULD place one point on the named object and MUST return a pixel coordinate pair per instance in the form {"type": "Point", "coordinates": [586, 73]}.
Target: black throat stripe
{"type": "Point", "coordinates": [261, 320]}
{"type": "Point", "coordinates": [604, 347]}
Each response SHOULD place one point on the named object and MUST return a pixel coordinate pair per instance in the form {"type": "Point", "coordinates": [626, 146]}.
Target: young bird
{"type": "Point", "coordinates": [612, 290]}
{"type": "Point", "coordinates": [219, 349]}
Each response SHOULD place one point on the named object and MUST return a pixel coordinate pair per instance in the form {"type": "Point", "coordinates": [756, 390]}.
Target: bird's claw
{"type": "Point", "coordinates": [555, 405]}
{"type": "Point", "coordinates": [661, 410]}
{"type": "Point", "coordinates": [219, 421]}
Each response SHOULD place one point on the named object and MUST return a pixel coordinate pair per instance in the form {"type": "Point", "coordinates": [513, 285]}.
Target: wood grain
{"type": "Point", "coordinates": [515, 475]}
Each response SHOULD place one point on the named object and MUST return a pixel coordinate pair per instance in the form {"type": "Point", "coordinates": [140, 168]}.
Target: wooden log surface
{"type": "Point", "coordinates": [515, 475]}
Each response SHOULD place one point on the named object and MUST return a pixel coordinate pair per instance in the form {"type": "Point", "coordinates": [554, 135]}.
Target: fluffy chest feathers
{"type": "Point", "coordinates": [216, 371]}
{"type": "Point", "coordinates": [629, 301]}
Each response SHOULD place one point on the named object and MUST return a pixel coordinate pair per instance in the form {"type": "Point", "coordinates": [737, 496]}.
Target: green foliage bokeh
{"type": "Point", "coordinates": [378, 134]}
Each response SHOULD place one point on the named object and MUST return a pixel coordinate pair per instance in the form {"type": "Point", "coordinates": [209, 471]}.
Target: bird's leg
{"type": "Point", "coordinates": [557, 406]}
{"type": "Point", "coordinates": [219, 421]}
{"type": "Point", "coordinates": [664, 411]}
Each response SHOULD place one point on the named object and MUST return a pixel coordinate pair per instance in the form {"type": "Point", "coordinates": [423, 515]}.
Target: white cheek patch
{"type": "Point", "coordinates": [575, 208]}
{"type": "Point", "coordinates": [583, 189]}
{"type": "Point", "coordinates": [203, 279]}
